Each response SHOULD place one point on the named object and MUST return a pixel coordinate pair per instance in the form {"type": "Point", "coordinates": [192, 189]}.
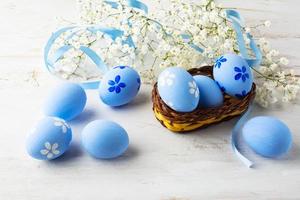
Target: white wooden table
{"type": "Point", "coordinates": [158, 164]}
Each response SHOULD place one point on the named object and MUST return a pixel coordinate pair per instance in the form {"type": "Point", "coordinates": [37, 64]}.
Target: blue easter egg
{"type": "Point", "coordinates": [66, 101]}
{"type": "Point", "coordinates": [233, 75]}
{"type": "Point", "coordinates": [211, 95]}
{"type": "Point", "coordinates": [178, 89]}
{"type": "Point", "coordinates": [119, 86]}
{"type": "Point", "coordinates": [104, 139]}
{"type": "Point", "coordinates": [49, 139]}
{"type": "Point", "coordinates": [267, 136]}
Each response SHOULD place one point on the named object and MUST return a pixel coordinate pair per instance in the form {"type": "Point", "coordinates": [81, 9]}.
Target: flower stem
{"type": "Point", "coordinates": [267, 77]}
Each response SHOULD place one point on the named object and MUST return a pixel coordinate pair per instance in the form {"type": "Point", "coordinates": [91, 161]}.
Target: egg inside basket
{"type": "Point", "coordinates": [200, 117]}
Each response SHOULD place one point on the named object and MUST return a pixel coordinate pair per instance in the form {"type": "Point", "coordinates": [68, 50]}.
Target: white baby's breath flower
{"type": "Point", "coordinates": [284, 61]}
{"type": "Point", "coordinates": [247, 29]}
{"type": "Point", "coordinates": [267, 23]}
{"type": "Point", "coordinates": [274, 52]}
{"type": "Point", "coordinates": [273, 66]}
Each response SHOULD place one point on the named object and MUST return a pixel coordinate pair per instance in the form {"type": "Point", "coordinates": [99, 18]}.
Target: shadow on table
{"type": "Point", "coordinates": [86, 116]}
{"type": "Point", "coordinates": [75, 151]}
{"type": "Point", "coordinates": [141, 99]}
{"type": "Point", "coordinates": [294, 153]}
{"type": "Point", "coordinates": [128, 156]}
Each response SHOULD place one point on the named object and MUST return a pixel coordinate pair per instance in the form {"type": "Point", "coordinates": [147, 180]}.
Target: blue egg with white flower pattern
{"type": "Point", "coordinates": [49, 139]}
{"type": "Point", "coordinates": [65, 101]}
{"type": "Point", "coordinates": [119, 86]}
{"type": "Point", "coordinates": [178, 89]}
{"type": "Point", "coordinates": [104, 139]}
{"type": "Point", "coordinates": [233, 75]}
{"type": "Point", "coordinates": [211, 95]}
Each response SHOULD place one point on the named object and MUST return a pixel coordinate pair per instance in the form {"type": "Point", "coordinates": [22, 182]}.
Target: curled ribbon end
{"type": "Point", "coordinates": [235, 135]}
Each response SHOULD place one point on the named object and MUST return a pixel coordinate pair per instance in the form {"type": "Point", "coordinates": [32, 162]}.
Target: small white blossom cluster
{"type": "Point", "coordinates": [159, 43]}
{"type": "Point", "coordinates": [274, 83]}
{"type": "Point", "coordinates": [72, 64]}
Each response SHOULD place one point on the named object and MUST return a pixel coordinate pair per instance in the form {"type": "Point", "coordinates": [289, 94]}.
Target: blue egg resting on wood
{"type": "Point", "coordinates": [119, 86]}
{"type": "Point", "coordinates": [49, 139]}
{"type": "Point", "coordinates": [66, 101]}
{"type": "Point", "coordinates": [267, 136]}
{"type": "Point", "coordinates": [178, 89]}
{"type": "Point", "coordinates": [104, 139]}
{"type": "Point", "coordinates": [233, 75]}
{"type": "Point", "coordinates": [211, 95]}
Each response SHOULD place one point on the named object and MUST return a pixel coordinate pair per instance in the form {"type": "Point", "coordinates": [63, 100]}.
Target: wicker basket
{"type": "Point", "coordinates": [201, 117]}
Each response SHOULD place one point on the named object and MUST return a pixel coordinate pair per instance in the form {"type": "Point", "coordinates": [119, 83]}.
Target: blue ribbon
{"type": "Point", "coordinates": [113, 4]}
{"type": "Point", "coordinates": [187, 39]}
{"type": "Point", "coordinates": [59, 53]}
{"type": "Point", "coordinates": [237, 22]}
{"type": "Point", "coordinates": [131, 3]}
{"type": "Point", "coordinates": [235, 137]}
{"type": "Point", "coordinates": [138, 4]}
{"type": "Point", "coordinates": [49, 44]}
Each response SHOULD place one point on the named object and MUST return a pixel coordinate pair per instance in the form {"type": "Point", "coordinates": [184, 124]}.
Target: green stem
{"type": "Point", "coordinates": [154, 62]}
{"type": "Point", "coordinates": [208, 4]}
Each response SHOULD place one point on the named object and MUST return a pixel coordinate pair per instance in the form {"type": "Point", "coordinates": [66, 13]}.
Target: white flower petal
{"type": "Point", "coordinates": [169, 82]}
{"type": "Point", "coordinates": [64, 129]}
{"type": "Point", "coordinates": [194, 84]}
{"type": "Point", "coordinates": [48, 145]}
{"type": "Point", "coordinates": [44, 151]}
{"type": "Point", "coordinates": [49, 155]}
{"type": "Point", "coordinates": [66, 125]}
{"type": "Point", "coordinates": [192, 90]}
{"type": "Point", "coordinates": [172, 75]}
{"type": "Point", "coordinates": [190, 84]}
{"type": "Point", "coordinates": [54, 146]}
{"type": "Point", "coordinates": [58, 123]}
{"type": "Point", "coordinates": [56, 152]}
{"type": "Point", "coordinates": [196, 93]}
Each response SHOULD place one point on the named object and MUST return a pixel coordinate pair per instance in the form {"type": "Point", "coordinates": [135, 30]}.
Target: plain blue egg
{"type": "Point", "coordinates": [119, 86]}
{"type": "Point", "coordinates": [49, 139]}
{"type": "Point", "coordinates": [104, 139]}
{"type": "Point", "coordinates": [178, 89]}
{"type": "Point", "coordinates": [267, 136]}
{"type": "Point", "coordinates": [233, 75]}
{"type": "Point", "coordinates": [210, 93]}
{"type": "Point", "coordinates": [65, 101]}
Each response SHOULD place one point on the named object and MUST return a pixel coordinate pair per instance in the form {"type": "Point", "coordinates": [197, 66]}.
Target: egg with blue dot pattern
{"type": "Point", "coordinates": [49, 139]}
{"type": "Point", "coordinates": [119, 86]}
{"type": "Point", "coordinates": [178, 89]}
{"type": "Point", "coordinates": [233, 75]}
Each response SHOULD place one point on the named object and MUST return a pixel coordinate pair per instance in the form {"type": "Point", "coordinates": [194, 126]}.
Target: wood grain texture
{"type": "Point", "coordinates": [159, 164]}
